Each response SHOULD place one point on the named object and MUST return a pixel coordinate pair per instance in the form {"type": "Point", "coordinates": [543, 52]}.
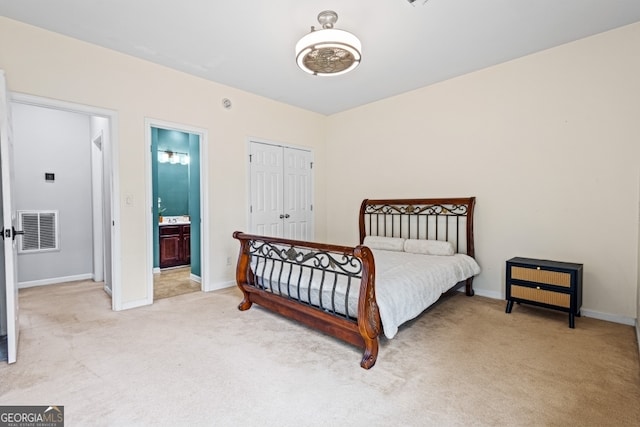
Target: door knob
{"type": "Point", "coordinates": [6, 233]}
{"type": "Point", "coordinates": [16, 232]}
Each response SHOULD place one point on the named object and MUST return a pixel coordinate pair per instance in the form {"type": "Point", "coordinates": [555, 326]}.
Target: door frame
{"type": "Point", "coordinates": [112, 159]}
{"type": "Point", "coordinates": [204, 199]}
{"type": "Point", "coordinates": [97, 186]}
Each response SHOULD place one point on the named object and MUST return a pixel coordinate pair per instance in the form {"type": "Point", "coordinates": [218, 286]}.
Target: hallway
{"type": "Point", "coordinates": [172, 282]}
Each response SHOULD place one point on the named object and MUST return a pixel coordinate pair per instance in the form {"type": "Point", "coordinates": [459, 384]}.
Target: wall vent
{"type": "Point", "coordinates": [40, 231]}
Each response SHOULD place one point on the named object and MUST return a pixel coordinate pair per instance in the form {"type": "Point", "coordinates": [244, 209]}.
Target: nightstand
{"type": "Point", "coordinates": [551, 284]}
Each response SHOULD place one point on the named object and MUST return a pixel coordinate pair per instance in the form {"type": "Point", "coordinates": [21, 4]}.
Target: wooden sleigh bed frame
{"type": "Point", "coordinates": [275, 273]}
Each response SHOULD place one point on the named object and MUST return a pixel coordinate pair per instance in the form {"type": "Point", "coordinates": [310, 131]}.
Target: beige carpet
{"type": "Point", "coordinates": [195, 360]}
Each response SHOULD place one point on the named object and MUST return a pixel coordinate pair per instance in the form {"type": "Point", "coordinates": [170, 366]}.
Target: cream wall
{"type": "Point", "coordinates": [45, 64]}
{"type": "Point", "coordinates": [549, 144]}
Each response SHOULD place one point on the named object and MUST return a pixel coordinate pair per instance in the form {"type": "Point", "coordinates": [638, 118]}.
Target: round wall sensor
{"type": "Point", "coordinates": [226, 103]}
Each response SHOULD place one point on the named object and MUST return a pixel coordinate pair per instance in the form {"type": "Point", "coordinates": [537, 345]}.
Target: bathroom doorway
{"type": "Point", "coordinates": [177, 211]}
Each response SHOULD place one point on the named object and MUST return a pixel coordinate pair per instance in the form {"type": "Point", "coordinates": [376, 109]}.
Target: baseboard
{"type": "Point", "coordinates": [483, 293]}
{"type": "Point", "coordinates": [108, 290]}
{"type": "Point", "coordinates": [615, 318]}
{"type": "Point", "coordinates": [195, 278]}
{"type": "Point", "coordinates": [488, 294]}
{"type": "Point", "coordinates": [220, 285]}
{"type": "Point", "coordinates": [135, 304]}
{"type": "Point", "coordinates": [638, 334]}
{"type": "Point", "coordinates": [55, 280]}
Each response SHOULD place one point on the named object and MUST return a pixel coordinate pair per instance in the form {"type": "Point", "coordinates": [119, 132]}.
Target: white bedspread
{"type": "Point", "coordinates": [406, 284]}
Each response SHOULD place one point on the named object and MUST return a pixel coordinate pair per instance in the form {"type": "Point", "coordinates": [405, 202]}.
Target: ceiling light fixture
{"type": "Point", "coordinates": [327, 51]}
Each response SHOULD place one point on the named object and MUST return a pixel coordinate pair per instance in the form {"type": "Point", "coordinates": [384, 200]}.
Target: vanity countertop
{"type": "Point", "coordinates": [175, 220]}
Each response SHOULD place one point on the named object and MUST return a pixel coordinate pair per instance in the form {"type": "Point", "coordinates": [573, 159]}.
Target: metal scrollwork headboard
{"type": "Point", "coordinates": [446, 219]}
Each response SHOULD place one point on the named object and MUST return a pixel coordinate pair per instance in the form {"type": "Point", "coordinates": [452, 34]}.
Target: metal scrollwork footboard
{"type": "Point", "coordinates": [326, 287]}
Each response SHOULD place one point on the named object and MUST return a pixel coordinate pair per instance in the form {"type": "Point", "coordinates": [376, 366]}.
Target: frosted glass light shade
{"type": "Point", "coordinates": [328, 52]}
{"type": "Point", "coordinates": [163, 156]}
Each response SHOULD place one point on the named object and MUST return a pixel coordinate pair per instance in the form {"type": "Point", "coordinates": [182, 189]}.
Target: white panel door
{"type": "Point", "coordinates": [8, 223]}
{"type": "Point", "coordinates": [281, 198]}
{"type": "Point", "coordinates": [297, 194]}
{"type": "Point", "coordinates": [266, 190]}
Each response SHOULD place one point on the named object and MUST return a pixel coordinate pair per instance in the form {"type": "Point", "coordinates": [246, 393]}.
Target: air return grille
{"type": "Point", "coordinates": [40, 231]}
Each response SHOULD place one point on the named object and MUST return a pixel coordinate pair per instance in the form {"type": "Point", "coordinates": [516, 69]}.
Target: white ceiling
{"type": "Point", "coordinates": [249, 44]}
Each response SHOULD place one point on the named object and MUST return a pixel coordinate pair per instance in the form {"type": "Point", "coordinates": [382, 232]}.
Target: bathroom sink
{"type": "Point", "coordinates": [177, 220]}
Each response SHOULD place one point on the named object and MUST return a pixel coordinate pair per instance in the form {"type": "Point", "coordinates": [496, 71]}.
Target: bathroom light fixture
{"type": "Point", "coordinates": [327, 51]}
{"type": "Point", "coordinates": [163, 156]}
{"type": "Point", "coordinates": [173, 157]}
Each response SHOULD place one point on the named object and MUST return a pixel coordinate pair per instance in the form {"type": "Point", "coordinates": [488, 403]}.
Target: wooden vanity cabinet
{"type": "Point", "coordinates": [175, 245]}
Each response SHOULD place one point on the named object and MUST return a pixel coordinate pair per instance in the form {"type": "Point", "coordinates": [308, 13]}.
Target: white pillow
{"type": "Point", "coordinates": [428, 247]}
{"type": "Point", "coordinates": [385, 243]}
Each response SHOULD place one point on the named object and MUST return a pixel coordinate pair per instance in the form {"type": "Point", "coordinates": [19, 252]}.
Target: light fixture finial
{"type": "Point", "coordinates": [327, 18]}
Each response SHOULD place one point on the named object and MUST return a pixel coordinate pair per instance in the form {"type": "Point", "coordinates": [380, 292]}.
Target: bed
{"type": "Point", "coordinates": [411, 252]}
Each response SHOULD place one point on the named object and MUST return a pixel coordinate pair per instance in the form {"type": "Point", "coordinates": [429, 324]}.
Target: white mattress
{"type": "Point", "coordinates": [406, 284]}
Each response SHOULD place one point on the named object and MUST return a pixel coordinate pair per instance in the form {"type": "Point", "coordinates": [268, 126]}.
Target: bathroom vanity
{"type": "Point", "coordinates": [175, 241]}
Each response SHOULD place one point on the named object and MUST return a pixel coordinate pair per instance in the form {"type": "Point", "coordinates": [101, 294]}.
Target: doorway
{"type": "Point", "coordinates": [176, 190]}
{"type": "Point", "coordinates": [100, 217]}
{"type": "Point", "coordinates": [102, 124]}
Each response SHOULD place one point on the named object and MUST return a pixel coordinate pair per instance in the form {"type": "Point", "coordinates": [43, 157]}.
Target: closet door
{"type": "Point", "coordinates": [297, 194]}
{"type": "Point", "coordinates": [265, 163]}
{"type": "Point", "coordinates": [280, 191]}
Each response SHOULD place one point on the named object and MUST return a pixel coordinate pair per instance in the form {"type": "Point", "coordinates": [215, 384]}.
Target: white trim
{"type": "Point", "coordinates": [615, 318]}
{"type": "Point", "coordinates": [195, 278]}
{"type": "Point", "coordinates": [112, 116]}
{"type": "Point", "coordinates": [134, 304]}
{"type": "Point", "coordinates": [204, 199]}
{"type": "Point", "coordinates": [41, 101]}
{"type": "Point", "coordinates": [107, 290]}
{"type": "Point", "coordinates": [276, 143]}
{"type": "Point", "coordinates": [484, 293]}
{"type": "Point", "coordinates": [55, 280]}
{"type": "Point", "coordinates": [638, 333]}
{"type": "Point", "coordinates": [116, 242]}
{"type": "Point", "coordinates": [97, 205]}
{"type": "Point", "coordinates": [221, 285]}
